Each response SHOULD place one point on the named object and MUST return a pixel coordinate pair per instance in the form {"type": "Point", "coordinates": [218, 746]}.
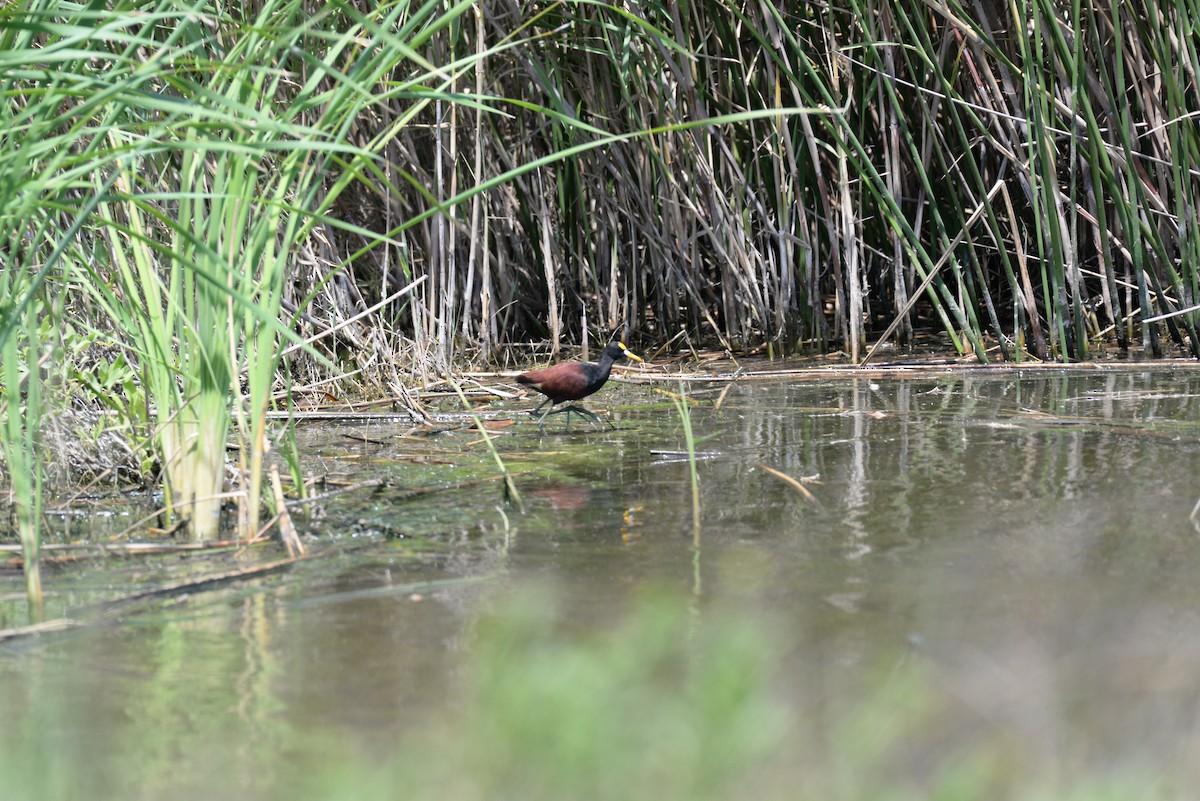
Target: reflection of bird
{"type": "Point", "coordinates": [571, 381]}
{"type": "Point", "coordinates": [564, 497]}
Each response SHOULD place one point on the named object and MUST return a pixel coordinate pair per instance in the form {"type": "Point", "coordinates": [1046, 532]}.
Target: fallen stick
{"type": "Point", "coordinates": [179, 588]}
{"type": "Point", "coordinates": [61, 624]}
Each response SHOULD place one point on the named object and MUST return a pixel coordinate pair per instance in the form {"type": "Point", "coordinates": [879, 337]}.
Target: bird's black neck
{"type": "Point", "coordinates": [604, 365]}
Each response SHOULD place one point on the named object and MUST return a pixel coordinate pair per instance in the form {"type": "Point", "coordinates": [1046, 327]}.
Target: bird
{"type": "Point", "coordinates": [572, 381]}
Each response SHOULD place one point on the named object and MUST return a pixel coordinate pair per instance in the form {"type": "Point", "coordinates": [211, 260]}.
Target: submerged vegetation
{"type": "Point", "coordinates": [213, 211]}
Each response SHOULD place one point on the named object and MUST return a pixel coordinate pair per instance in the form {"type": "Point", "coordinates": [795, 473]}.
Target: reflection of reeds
{"type": "Point", "coordinates": [685, 419]}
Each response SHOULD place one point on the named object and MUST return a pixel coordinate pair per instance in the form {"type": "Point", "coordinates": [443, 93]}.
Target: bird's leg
{"type": "Point", "coordinates": [579, 410]}
{"type": "Point", "coordinates": [533, 412]}
{"type": "Point", "coordinates": [582, 412]}
{"type": "Point", "coordinates": [542, 420]}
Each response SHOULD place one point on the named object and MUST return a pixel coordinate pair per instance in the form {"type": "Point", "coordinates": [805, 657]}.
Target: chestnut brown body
{"type": "Point", "coordinates": [572, 381]}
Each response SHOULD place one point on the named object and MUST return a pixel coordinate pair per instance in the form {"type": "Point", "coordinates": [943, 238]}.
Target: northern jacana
{"type": "Point", "coordinates": [572, 381]}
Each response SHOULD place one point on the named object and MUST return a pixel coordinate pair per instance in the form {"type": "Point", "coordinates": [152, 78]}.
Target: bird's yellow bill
{"type": "Point", "coordinates": [629, 354]}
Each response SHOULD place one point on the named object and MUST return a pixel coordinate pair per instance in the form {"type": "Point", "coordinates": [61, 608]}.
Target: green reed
{"type": "Point", "coordinates": [184, 186]}
{"type": "Point", "coordinates": [689, 438]}
{"type": "Point", "coordinates": [511, 493]}
{"type": "Point", "coordinates": [20, 434]}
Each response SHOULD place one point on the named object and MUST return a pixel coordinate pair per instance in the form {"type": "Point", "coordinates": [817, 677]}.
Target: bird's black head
{"type": "Point", "coordinates": [617, 350]}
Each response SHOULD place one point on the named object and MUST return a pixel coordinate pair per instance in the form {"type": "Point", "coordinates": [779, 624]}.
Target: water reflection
{"type": "Point", "coordinates": [1024, 538]}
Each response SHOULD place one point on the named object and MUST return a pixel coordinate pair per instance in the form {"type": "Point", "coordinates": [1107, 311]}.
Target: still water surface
{"type": "Point", "coordinates": [1021, 538]}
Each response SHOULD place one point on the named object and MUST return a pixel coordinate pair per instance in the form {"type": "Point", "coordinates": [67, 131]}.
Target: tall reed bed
{"type": "Point", "coordinates": [1019, 177]}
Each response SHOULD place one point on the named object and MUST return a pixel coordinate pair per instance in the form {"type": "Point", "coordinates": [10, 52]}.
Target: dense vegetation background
{"type": "Point", "coordinates": [209, 207]}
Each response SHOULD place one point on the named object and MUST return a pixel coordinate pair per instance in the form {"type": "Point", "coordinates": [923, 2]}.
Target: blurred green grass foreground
{"type": "Point", "coordinates": [670, 704]}
{"type": "Point", "coordinates": [672, 701]}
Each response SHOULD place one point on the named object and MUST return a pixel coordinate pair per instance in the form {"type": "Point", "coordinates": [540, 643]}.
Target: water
{"type": "Point", "coordinates": [997, 569]}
